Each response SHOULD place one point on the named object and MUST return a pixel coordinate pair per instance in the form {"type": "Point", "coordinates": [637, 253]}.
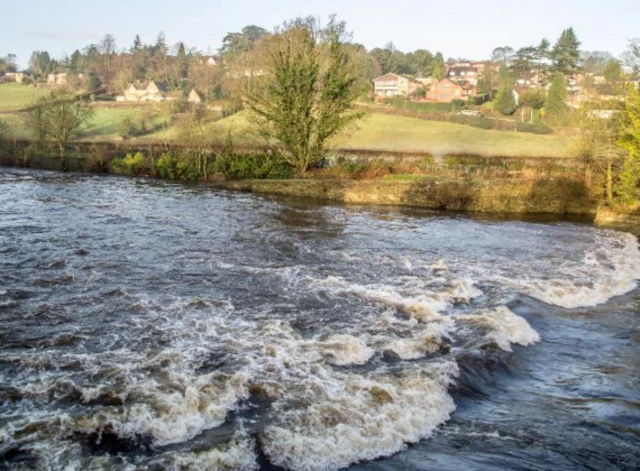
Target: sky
{"type": "Point", "coordinates": [460, 28]}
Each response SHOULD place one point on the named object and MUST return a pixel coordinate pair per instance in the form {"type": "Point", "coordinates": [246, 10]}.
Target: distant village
{"type": "Point", "coordinates": [461, 83]}
{"type": "Point", "coordinates": [152, 73]}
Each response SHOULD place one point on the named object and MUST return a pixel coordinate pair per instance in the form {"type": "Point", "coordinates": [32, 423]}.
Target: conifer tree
{"type": "Point", "coordinates": [566, 53]}
{"type": "Point", "coordinates": [557, 97]}
{"type": "Point", "coordinates": [505, 101]}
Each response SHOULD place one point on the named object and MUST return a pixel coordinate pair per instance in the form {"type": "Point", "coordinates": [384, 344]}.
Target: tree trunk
{"type": "Point", "coordinates": [609, 182]}
{"type": "Point", "coordinates": [63, 156]}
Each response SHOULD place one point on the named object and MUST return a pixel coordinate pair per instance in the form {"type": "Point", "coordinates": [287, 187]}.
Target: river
{"type": "Point", "coordinates": [148, 325]}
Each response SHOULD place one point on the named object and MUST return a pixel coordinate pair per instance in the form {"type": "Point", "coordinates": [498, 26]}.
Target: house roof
{"type": "Point", "coordinates": [386, 75]}
{"type": "Point", "coordinates": [160, 86]}
{"type": "Point", "coordinates": [463, 69]}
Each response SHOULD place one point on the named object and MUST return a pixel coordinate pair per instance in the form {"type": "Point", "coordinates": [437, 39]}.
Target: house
{"type": "Point", "coordinates": [17, 77]}
{"type": "Point", "coordinates": [140, 92]}
{"type": "Point", "coordinates": [210, 61]}
{"type": "Point", "coordinates": [463, 73]}
{"type": "Point", "coordinates": [447, 90]}
{"type": "Point", "coordinates": [57, 79]}
{"type": "Point", "coordinates": [427, 82]}
{"type": "Point", "coordinates": [194, 97]}
{"type": "Point", "coordinates": [483, 66]}
{"type": "Point", "coordinates": [390, 85]}
{"type": "Point", "coordinates": [518, 90]}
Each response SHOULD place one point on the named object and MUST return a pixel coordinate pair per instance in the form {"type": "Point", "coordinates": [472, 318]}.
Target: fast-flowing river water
{"type": "Point", "coordinates": [148, 325]}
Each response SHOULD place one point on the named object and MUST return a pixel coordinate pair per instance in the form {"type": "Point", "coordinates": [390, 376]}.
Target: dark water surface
{"type": "Point", "coordinates": [148, 325]}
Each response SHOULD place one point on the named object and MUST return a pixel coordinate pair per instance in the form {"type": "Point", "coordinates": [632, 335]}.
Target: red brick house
{"type": "Point", "coordinates": [463, 74]}
{"type": "Point", "coordinates": [447, 90]}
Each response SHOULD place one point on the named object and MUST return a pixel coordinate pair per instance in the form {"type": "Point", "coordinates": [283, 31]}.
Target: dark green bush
{"type": "Point", "coordinates": [259, 165]}
{"type": "Point", "coordinates": [174, 167]}
{"type": "Point", "coordinates": [535, 128]}
{"type": "Point", "coordinates": [231, 109]}
{"type": "Point", "coordinates": [127, 129]}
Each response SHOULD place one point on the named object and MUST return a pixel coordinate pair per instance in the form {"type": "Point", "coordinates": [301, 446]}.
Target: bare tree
{"type": "Point", "coordinates": [108, 48]}
{"type": "Point", "coordinates": [58, 117]}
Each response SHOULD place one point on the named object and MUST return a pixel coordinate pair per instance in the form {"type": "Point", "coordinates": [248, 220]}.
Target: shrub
{"type": "Point", "coordinates": [628, 185]}
{"type": "Point", "coordinates": [230, 109]}
{"type": "Point", "coordinates": [533, 98]}
{"type": "Point", "coordinates": [174, 167]}
{"type": "Point", "coordinates": [535, 128]}
{"type": "Point", "coordinates": [4, 130]}
{"type": "Point", "coordinates": [419, 93]}
{"type": "Point", "coordinates": [429, 160]}
{"type": "Point", "coordinates": [483, 123]}
{"type": "Point", "coordinates": [505, 102]}
{"type": "Point", "coordinates": [127, 129]}
{"type": "Point", "coordinates": [458, 104]}
{"type": "Point", "coordinates": [480, 99]}
{"type": "Point", "coordinates": [132, 164]}
{"type": "Point", "coordinates": [261, 165]}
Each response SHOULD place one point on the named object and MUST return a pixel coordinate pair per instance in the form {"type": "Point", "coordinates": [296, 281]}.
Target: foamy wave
{"type": "Point", "coordinates": [237, 455]}
{"type": "Point", "coordinates": [610, 269]}
{"type": "Point", "coordinates": [347, 350]}
{"type": "Point", "coordinates": [361, 419]}
{"type": "Point", "coordinates": [422, 343]}
{"type": "Point", "coordinates": [414, 299]}
{"type": "Point", "coordinates": [171, 417]}
{"type": "Point", "coordinates": [504, 327]}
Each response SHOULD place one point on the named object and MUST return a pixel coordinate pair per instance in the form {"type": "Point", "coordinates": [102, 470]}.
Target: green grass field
{"type": "Point", "coordinates": [106, 120]}
{"type": "Point", "coordinates": [397, 133]}
{"type": "Point", "coordinates": [384, 132]}
{"type": "Point", "coordinates": [16, 96]}
{"type": "Point", "coordinates": [377, 132]}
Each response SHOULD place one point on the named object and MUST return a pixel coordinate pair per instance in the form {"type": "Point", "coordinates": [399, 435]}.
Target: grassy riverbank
{"type": "Point", "coordinates": [550, 196]}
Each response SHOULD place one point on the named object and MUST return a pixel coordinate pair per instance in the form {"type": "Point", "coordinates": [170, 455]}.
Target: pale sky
{"type": "Point", "coordinates": [460, 28]}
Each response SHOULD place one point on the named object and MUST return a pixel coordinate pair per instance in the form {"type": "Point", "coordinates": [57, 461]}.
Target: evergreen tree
{"type": "Point", "coordinates": [181, 58]}
{"type": "Point", "coordinates": [161, 45]}
{"type": "Point", "coordinates": [523, 62]}
{"type": "Point", "coordinates": [502, 54]}
{"type": "Point", "coordinates": [235, 44]}
{"type": "Point", "coordinates": [137, 44]}
{"type": "Point", "coordinates": [566, 53]}
{"type": "Point", "coordinates": [505, 101]}
{"type": "Point", "coordinates": [75, 61]}
{"type": "Point", "coordinates": [439, 70]}
{"type": "Point", "coordinates": [557, 97]}
{"type": "Point", "coordinates": [504, 77]}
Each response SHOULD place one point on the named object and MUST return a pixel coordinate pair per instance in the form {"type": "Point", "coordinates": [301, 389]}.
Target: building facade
{"type": "Point", "coordinates": [390, 85]}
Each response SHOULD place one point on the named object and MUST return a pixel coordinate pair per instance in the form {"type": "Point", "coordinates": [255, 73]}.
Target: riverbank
{"type": "Point", "coordinates": [543, 195]}
{"type": "Point", "coordinates": [623, 221]}
{"type": "Point", "coordinates": [475, 184]}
